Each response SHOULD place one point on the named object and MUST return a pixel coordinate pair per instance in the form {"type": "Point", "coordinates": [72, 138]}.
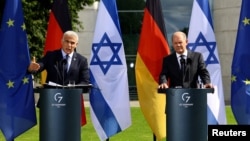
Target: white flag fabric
{"type": "Point", "coordinates": [201, 38]}
{"type": "Point", "coordinates": [109, 97]}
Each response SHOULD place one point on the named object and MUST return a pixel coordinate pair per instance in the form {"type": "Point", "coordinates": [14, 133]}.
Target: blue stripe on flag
{"type": "Point", "coordinates": [206, 10]}
{"type": "Point", "coordinates": [109, 4]}
{"type": "Point", "coordinates": [102, 110]}
{"type": "Point", "coordinates": [210, 116]}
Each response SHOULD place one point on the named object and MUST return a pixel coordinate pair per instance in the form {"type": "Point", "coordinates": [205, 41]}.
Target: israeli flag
{"type": "Point", "coordinates": [201, 38]}
{"type": "Point", "coordinates": [109, 97]}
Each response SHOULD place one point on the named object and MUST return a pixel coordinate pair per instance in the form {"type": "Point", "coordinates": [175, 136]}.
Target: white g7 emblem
{"type": "Point", "coordinates": [57, 97]}
{"type": "Point", "coordinates": [185, 97]}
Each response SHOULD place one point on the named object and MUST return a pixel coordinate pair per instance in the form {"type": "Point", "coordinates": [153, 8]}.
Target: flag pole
{"type": "Point", "coordinates": [153, 27]}
{"type": "Point", "coordinates": [154, 137]}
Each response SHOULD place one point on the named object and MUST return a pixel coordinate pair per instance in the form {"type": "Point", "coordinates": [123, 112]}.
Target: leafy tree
{"type": "Point", "coordinates": [36, 15]}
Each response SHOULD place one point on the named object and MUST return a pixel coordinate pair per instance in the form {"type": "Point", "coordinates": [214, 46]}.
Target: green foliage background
{"type": "Point", "coordinates": [36, 14]}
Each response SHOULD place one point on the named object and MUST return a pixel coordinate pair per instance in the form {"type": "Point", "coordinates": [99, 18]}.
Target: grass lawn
{"type": "Point", "coordinates": [138, 131]}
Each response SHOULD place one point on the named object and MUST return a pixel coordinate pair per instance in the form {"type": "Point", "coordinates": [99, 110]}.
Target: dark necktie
{"type": "Point", "coordinates": [66, 65]}
{"type": "Point", "coordinates": [182, 61]}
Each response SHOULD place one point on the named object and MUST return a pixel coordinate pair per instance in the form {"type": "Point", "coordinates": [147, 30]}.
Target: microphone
{"type": "Point", "coordinates": [64, 70]}
{"type": "Point", "coordinates": [64, 61]}
{"type": "Point", "coordinates": [58, 72]}
{"type": "Point", "coordinates": [200, 84]}
{"type": "Point", "coordinates": [182, 61]}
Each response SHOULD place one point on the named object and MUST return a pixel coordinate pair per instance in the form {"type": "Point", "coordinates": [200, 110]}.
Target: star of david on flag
{"type": "Point", "coordinates": [109, 97]}
{"type": "Point", "coordinates": [201, 38]}
{"type": "Point", "coordinates": [108, 49]}
{"type": "Point", "coordinates": [202, 44]}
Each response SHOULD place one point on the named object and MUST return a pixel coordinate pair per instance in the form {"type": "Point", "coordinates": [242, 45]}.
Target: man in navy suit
{"type": "Point", "coordinates": [64, 65]}
{"type": "Point", "coordinates": [194, 66]}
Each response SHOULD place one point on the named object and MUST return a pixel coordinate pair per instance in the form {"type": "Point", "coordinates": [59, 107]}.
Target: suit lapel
{"type": "Point", "coordinates": [73, 62]}
{"type": "Point", "coordinates": [188, 66]}
{"type": "Point", "coordinates": [176, 63]}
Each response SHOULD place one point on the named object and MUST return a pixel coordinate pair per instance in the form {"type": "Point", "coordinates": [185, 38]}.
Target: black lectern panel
{"type": "Point", "coordinates": [60, 113]}
{"type": "Point", "coordinates": [187, 114]}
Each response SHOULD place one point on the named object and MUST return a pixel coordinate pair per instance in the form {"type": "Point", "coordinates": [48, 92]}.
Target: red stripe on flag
{"type": "Point", "coordinates": [152, 46]}
{"type": "Point", "coordinates": [83, 114]}
{"type": "Point", "coordinates": [54, 35]}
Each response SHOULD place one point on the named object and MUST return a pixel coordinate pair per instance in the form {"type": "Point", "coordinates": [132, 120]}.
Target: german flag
{"type": "Point", "coordinates": [153, 46]}
{"type": "Point", "coordinates": [59, 22]}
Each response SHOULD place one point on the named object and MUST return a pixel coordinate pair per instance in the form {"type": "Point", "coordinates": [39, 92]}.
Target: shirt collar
{"type": "Point", "coordinates": [64, 54]}
{"type": "Point", "coordinates": [185, 54]}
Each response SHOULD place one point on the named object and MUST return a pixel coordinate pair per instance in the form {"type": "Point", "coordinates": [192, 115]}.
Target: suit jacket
{"type": "Point", "coordinates": [195, 67]}
{"type": "Point", "coordinates": [53, 63]}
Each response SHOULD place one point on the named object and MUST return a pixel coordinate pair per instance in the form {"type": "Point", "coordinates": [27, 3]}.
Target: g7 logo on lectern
{"type": "Point", "coordinates": [58, 97]}
{"type": "Point", "coordinates": [185, 97]}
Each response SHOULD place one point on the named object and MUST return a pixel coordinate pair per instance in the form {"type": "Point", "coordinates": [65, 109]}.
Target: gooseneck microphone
{"type": "Point", "coordinates": [64, 69]}
{"type": "Point", "coordinates": [183, 63]}
{"type": "Point", "coordinates": [58, 76]}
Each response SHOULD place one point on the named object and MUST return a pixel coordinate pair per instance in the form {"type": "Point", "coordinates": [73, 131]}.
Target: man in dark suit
{"type": "Point", "coordinates": [174, 76]}
{"type": "Point", "coordinates": [65, 64]}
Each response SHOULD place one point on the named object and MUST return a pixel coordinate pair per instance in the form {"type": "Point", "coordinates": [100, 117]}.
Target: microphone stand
{"type": "Point", "coordinates": [183, 70]}
{"type": "Point", "coordinates": [58, 73]}
{"type": "Point", "coordinates": [64, 62]}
